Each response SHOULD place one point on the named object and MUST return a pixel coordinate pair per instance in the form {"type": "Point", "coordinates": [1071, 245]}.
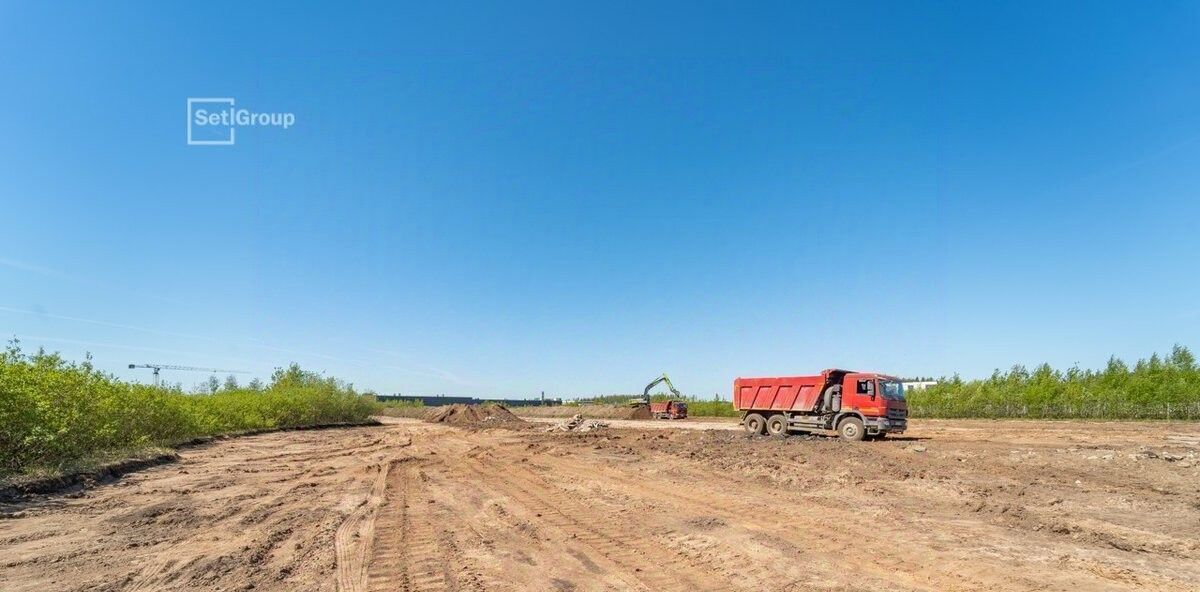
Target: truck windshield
{"type": "Point", "coordinates": [892, 390]}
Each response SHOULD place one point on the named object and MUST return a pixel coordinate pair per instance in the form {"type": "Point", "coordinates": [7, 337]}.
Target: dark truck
{"type": "Point", "coordinates": [857, 405]}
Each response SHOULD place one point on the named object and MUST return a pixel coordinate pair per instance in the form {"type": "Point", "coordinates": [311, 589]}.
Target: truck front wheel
{"type": "Point", "coordinates": [777, 425]}
{"type": "Point", "coordinates": [851, 429]}
{"type": "Point", "coordinates": [754, 423]}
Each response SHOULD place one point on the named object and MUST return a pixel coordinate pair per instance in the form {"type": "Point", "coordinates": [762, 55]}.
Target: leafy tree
{"type": "Point", "coordinates": [1155, 388]}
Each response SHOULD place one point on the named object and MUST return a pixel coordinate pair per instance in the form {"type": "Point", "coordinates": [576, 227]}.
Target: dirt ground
{"type": "Point", "coordinates": [417, 506]}
{"type": "Point", "coordinates": [591, 411]}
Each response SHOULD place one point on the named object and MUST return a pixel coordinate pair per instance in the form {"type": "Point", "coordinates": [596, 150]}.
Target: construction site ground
{"type": "Point", "coordinates": [952, 505]}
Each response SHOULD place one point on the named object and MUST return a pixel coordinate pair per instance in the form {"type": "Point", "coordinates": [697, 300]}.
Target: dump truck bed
{"type": "Point", "coordinates": [777, 393]}
{"type": "Point", "coordinates": [669, 409]}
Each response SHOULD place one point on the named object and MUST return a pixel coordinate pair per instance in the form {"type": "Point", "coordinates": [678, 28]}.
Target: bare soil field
{"type": "Point", "coordinates": [978, 505]}
{"type": "Point", "coordinates": [592, 411]}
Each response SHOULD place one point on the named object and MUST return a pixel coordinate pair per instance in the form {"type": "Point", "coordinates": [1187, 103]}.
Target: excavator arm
{"type": "Point", "coordinates": [660, 380]}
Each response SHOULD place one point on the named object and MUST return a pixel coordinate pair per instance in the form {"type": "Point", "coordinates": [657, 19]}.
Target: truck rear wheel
{"type": "Point", "coordinates": [754, 423]}
{"type": "Point", "coordinates": [777, 425]}
{"type": "Point", "coordinates": [851, 429]}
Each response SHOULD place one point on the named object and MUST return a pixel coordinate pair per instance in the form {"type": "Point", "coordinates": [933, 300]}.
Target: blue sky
{"type": "Point", "coordinates": [505, 198]}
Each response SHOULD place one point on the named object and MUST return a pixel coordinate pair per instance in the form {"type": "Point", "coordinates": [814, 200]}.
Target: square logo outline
{"type": "Point", "coordinates": [190, 141]}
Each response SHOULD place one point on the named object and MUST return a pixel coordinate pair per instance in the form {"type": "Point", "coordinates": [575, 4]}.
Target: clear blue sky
{"type": "Point", "coordinates": [500, 199]}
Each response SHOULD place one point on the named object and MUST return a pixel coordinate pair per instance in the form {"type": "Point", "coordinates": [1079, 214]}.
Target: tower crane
{"type": "Point", "coordinates": [157, 367]}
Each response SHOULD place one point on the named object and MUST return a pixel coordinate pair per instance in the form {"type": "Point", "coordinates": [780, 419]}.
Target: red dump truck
{"type": "Point", "coordinates": [857, 404]}
{"type": "Point", "coordinates": [668, 409]}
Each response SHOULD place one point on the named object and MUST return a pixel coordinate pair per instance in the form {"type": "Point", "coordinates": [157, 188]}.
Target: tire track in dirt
{"type": "Point", "coordinates": [408, 554]}
{"type": "Point", "coordinates": [834, 529]}
{"type": "Point", "coordinates": [355, 536]}
{"type": "Point", "coordinates": [781, 524]}
{"type": "Point", "coordinates": [740, 566]}
{"type": "Point", "coordinates": [651, 566]}
{"type": "Point", "coordinates": [159, 571]}
{"type": "Point", "coordinates": [741, 563]}
{"type": "Point", "coordinates": [143, 581]}
{"type": "Point", "coordinates": [151, 576]}
{"type": "Point", "coordinates": [257, 511]}
{"type": "Point", "coordinates": [450, 518]}
{"type": "Point", "coordinates": [252, 453]}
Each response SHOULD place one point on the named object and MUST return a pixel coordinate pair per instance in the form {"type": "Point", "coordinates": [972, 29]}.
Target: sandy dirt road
{"type": "Point", "coordinates": [415, 506]}
{"type": "Point", "coordinates": [726, 424]}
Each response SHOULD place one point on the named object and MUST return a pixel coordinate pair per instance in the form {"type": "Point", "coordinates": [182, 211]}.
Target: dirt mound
{"type": "Point", "coordinates": [472, 415]}
{"type": "Point", "coordinates": [640, 412]}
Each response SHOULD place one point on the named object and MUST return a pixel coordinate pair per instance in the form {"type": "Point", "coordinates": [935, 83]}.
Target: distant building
{"type": "Point", "coordinates": [918, 385]}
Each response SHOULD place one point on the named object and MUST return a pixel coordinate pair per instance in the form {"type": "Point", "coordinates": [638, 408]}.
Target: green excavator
{"type": "Point", "coordinates": [671, 409]}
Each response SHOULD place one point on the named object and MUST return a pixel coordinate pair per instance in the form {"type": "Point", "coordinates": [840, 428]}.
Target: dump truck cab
{"type": "Point", "coordinates": [876, 399]}
{"type": "Point", "coordinates": [857, 405]}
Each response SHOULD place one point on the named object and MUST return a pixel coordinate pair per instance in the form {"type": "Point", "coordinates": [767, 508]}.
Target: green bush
{"type": "Point", "coordinates": [402, 403]}
{"type": "Point", "coordinates": [56, 414]}
{"type": "Point", "coordinates": [711, 408]}
{"type": "Point", "coordinates": [1156, 388]}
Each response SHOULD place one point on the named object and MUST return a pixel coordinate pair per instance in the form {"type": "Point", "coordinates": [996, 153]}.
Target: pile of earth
{"type": "Point", "coordinates": [472, 415]}
{"type": "Point", "coordinates": [640, 412]}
